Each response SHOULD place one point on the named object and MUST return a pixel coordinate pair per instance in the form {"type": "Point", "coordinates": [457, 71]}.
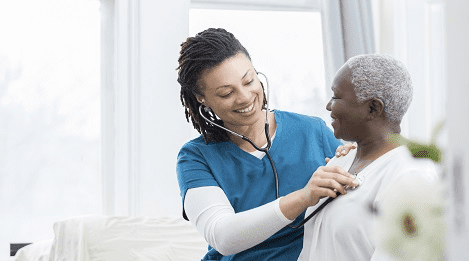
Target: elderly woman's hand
{"type": "Point", "coordinates": [343, 150]}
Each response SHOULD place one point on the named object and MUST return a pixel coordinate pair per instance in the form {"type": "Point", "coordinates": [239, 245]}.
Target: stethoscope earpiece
{"type": "Point", "coordinates": [206, 109]}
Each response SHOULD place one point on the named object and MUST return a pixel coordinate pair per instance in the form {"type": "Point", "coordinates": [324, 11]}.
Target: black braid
{"type": "Point", "coordinates": [204, 51]}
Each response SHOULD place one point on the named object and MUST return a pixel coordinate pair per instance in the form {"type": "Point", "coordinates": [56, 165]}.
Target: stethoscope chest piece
{"type": "Point", "coordinates": [360, 179]}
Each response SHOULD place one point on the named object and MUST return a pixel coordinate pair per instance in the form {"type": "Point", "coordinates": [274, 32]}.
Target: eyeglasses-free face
{"type": "Point", "coordinates": [233, 91]}
{"type": "Point", "coordinates": [348, 115]}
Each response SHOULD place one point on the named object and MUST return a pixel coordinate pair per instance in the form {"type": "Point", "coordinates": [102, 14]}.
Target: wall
{"type": "Point", "coordinates": [457, 157]}
{"type": "Point", "coordinates": [164, 26]}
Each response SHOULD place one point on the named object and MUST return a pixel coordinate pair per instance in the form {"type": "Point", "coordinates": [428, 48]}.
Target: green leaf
{"type": "Point", "coordinates": [418, 150]}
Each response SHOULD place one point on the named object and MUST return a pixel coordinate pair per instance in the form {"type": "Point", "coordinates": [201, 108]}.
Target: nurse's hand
{"type": "Point", "coordinates": [343, 150]}
{"type": "Point", "coordinates": [326, 181]}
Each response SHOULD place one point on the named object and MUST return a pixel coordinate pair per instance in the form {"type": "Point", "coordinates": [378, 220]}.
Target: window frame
{"type": "Point", "coordinates": [139, 58]}
{"type": "Point", "coordinates": [258, 5]}
{"type": "Point", "coordinates": [120, 111]}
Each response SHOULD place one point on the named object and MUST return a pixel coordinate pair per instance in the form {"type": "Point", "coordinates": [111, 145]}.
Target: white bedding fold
{"type": "Point", "coordinates": [101, 238]}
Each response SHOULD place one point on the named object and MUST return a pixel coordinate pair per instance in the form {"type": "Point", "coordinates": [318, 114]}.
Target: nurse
{"type": "Point", "coordinates": [228, 188]}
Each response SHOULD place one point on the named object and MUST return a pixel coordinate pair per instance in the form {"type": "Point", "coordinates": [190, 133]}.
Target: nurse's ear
{"type": "Point", "coordinates": [200, 98]}
{"type": "Point", "coordinates": [376, 108]}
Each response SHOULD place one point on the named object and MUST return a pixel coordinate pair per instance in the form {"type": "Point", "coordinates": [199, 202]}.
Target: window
{"type": "Point", "coordinates": [286, 46]}
{"type": "Point", "coordinates": [50, 116]}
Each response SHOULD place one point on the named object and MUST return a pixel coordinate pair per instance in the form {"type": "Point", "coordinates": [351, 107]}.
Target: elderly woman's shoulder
{"type": "Point", "coordinates": [409, 165]}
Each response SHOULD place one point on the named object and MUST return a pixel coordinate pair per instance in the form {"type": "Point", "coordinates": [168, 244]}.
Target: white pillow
{"type": "Point", "coordinates": [39, 251]}
{"type": "Point", "coordinates": [103, 238]}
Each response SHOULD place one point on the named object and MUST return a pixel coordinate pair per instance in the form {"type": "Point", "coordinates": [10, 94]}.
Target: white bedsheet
{"type": "Point", "coordinates": [100, 238]}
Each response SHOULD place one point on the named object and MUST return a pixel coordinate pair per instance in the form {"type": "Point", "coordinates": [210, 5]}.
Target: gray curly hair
{"type": "Point", "coordinates": [384, 77]}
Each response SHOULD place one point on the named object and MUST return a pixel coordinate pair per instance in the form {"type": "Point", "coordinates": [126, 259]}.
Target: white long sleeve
{"type": "Point", "coordinates": [228, 232]}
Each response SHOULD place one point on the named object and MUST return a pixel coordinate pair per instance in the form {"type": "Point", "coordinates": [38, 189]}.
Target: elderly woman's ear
{"type": "Point", "coordinates": [376, 108]}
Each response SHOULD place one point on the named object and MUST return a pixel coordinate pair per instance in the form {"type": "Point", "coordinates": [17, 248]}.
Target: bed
{"type": "Point", "coordinates": [93, 238]}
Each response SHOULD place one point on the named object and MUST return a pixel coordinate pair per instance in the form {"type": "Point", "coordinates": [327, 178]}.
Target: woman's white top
{"type": "Point", "coordinates": [343, 230]}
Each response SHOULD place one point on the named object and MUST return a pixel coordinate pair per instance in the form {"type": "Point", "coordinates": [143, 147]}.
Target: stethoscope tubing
{"type": "Point", "coordinates": [265, 150]}
{"type": "Point", "coordinates": [329, 200]}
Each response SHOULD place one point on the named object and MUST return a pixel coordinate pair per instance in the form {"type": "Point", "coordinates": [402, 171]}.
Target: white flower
{"type": "Point", "coordinates": [410, 221]}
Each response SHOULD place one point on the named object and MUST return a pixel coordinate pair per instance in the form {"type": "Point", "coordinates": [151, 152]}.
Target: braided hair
{"type": "Point", "coordinates": [198, 54]}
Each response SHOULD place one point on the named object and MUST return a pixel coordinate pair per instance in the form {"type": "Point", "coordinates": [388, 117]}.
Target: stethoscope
{"type": "Point", "coordinates": [266, 130]}
{"type": "Point", "coordinates": [266, 149]}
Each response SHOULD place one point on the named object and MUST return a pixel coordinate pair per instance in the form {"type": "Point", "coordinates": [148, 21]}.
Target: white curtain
{"type": "Point", "coordinates": [348, 31]}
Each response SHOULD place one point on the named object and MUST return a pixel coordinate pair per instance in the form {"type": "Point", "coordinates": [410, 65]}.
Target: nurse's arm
{"type": "Point", "coordinates": [228, 232]}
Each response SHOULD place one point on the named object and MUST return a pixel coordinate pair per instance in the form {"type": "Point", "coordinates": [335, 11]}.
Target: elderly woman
{"type": "Point", "coordinates": [371, 94]}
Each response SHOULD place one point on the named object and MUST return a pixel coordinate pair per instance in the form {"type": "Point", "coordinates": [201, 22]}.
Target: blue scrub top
{"type": "Point", "coordinates": [301, 144]}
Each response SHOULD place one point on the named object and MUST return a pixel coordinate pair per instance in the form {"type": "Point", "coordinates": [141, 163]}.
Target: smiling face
{"type": "Point", "coordinates": [348, 115]}
{"type": "Point", "coordinates": [233, 91]}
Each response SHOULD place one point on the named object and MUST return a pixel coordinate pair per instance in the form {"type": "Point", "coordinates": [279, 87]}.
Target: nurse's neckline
{"type": "Point", "coordinates": [246, 146]}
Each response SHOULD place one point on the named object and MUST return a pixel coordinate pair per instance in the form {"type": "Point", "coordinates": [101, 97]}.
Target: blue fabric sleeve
{"type": "Point", "coordinates": [330, 143]}
{"type": "Point", "coordinates": [192, 170]}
